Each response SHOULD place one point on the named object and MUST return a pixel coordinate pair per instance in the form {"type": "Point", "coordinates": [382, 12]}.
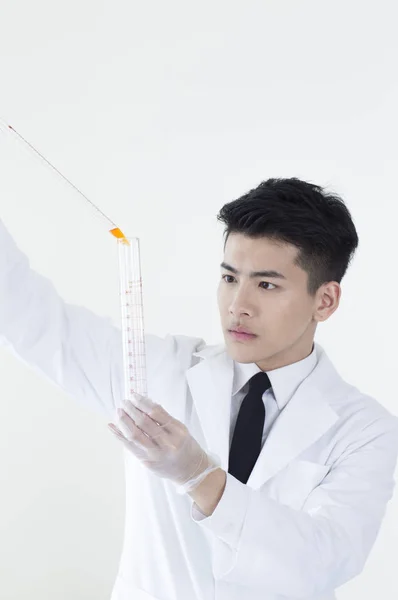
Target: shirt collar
{"type": "Point", "coordinates": [284, 381]}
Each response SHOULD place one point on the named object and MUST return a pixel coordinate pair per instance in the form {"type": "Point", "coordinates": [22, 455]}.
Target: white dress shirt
{"type": "Point", "coordinates": [284, 382]}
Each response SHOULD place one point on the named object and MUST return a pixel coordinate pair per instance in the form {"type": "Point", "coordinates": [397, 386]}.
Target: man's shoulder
{"type": "Point", "coordinates": [364, 409]}
{"type": "Point", "coordinates": [351, 403]}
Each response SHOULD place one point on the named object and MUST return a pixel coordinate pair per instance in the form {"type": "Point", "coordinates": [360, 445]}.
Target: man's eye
{"type": "Point", "coordinates": [267, 282]}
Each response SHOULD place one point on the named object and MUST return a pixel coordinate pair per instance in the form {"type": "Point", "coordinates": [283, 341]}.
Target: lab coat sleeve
{"type": "Point", "coordinates": [77, 350]}
{"type": "Point", "coordinates": [272, 548]}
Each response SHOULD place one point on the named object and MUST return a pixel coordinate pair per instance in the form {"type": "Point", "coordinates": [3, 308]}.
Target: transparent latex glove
{"type": "Point", "coordinates": [162, 443]}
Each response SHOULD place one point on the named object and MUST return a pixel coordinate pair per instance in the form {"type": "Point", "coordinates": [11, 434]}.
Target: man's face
{"type": "Point", "coordinates": [278, 310]}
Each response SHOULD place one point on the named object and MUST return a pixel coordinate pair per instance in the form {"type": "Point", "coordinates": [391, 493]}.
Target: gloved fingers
{"type": "Point", "coordinates": [153, 410]}
{"type": "Point", "coordinates": [142, 402]}
{"type": "Point", "coordinates": [131, 431]}
{"type": "Point", "coordinates": [130, 445]}
{"type": "Point", "coordinates": [142, 420]}
{"type": "Point", "coordinates": [116, 431]}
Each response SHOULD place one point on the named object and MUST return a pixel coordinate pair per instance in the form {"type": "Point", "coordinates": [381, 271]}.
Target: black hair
{"type": "Point", "coordinates": [299, 213]}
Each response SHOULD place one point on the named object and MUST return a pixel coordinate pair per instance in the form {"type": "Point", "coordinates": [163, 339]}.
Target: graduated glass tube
{"type": "Point", "coordinates": [132, 312]}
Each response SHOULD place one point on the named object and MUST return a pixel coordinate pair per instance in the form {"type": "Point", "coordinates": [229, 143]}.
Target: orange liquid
{"type": "Point", "coordinates": [117, 233]}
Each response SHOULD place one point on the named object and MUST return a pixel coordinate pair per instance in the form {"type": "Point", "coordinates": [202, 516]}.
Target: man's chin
{"type": "Point", "coordinates": [240, 352]}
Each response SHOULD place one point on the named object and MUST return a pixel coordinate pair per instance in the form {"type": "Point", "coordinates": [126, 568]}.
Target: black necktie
{"type": "Point", "coordinates": [248, 433]}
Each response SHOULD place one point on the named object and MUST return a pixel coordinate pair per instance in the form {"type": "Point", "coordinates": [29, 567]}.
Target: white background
{"type": "Point", "coordinates": [161, 112]}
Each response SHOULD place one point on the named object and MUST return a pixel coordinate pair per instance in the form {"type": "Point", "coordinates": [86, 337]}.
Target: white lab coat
{"type": "Point", "coordinates": [311, 510]}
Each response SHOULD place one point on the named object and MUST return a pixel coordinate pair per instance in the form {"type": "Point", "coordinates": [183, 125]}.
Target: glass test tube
{"type": "Point", "coordinates": [131, 304]}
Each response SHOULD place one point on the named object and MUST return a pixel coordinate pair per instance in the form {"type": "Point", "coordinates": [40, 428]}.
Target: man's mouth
{"type": "Point", "coordinates": [242, 336]}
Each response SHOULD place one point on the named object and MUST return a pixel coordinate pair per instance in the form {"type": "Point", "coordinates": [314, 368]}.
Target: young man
{"type": "Point", "coordinates": [253, 470]}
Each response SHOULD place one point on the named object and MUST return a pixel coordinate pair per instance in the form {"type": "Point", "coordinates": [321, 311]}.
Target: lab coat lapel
{"type": "Point", "coordinates": [306, 417]}
{"type": "Point", "coordinates": [210, 382]}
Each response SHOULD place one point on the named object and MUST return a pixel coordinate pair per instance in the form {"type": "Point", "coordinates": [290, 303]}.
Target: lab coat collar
{"type": "Point", "coordinates": [305, 418]}
{"type": "Point", "coordinates": [284, 380]}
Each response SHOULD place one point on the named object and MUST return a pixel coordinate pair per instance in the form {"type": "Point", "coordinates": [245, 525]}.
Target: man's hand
{"type": "Point", "coordinates": [162, 443]}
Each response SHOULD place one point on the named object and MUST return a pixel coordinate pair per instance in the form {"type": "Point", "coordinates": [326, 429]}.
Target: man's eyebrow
{"type": "Point", "coordinates": [271, 274]}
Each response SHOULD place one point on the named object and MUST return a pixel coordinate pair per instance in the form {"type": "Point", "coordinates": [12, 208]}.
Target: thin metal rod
{"type": "Point", "coordinates": [59, 172]}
